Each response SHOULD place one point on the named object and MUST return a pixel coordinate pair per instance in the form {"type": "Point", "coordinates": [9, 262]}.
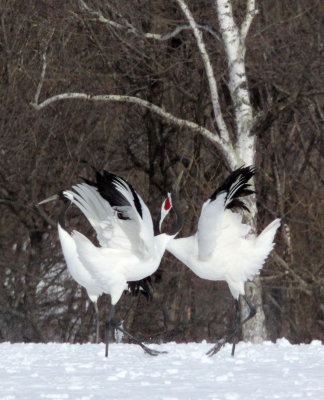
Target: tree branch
{"type": "Point", "coordinates": [179, 28]}
{"type": "Point", "coordinates": [209, 72]}
{"type": "Point", "coordinates": [42, 77]}
{"type": "Point", "coordinates": [143, 103]}
{"type": "Point", "coordinates": [128, 27]}
{"type": "Point", "coordinates": [303, 284]}
{"type": "Point", "coordinates": [251, 12]}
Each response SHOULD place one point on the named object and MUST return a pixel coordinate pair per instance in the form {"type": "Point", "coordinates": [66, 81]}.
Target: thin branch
{"type": "Point", "coordinates": [103, 19]}
{"type": "Point", "coordinates": [209, 72]}
{"type": "Point", "coordinates": [45, 216]}
{"type": "Point", "coordinates": [156, 36]}
{"type": "Point", "coordinates": [42, 77]}
{"type": "Point", "coordinates": [179, 28]}
{"type": "Point", "coordinates": [15, 205]}
{"type": "Point", "coordinates": [303, 284]}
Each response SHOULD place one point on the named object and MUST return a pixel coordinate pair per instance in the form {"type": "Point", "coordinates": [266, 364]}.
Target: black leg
{"type": "Point", "coordinates": [147, 350]}
{"type": "Point", "coordinates": [215, 349]}
{"type": "Point", "coordinates": [238, 324]}
{"type": "Point", "coordinates": [108, 326]}
{"type": "Point", "coordinates": [97, 321]}
{"type": "Point", "coordinates": [111, 324]}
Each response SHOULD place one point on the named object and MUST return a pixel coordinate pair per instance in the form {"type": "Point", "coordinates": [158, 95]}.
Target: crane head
{"type": "Point", "coordinates": [165, 209]}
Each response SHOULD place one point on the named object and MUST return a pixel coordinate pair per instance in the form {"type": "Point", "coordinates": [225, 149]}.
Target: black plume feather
{"type": "Point", "coordinates": [105, 184]}
{"type": "Point", "coordinates": [236, 185]}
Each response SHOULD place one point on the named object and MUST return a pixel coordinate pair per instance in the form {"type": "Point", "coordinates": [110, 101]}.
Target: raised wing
{"type": "Point", "coordinates": [134, 216]}
{"type": "Point", "coordinates": [100, 214]}
{"type": "Point", "coordinates": [116, 212]}
{"type": "Point", "coordinates": [226, 196]}
{"type": "Point", "coordinates": [209, 225]}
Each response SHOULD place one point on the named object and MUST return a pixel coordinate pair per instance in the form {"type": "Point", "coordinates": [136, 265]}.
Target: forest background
{"type": "Point", "coordinates": [44, 151]}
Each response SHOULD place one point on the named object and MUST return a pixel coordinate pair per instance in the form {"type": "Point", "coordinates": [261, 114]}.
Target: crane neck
{"type": "Point", "coordinates": [177, 209]}
{"type": "Point", "coordinates": [66, 205]}
{"type": "Point", "coordinates": [175, 229]}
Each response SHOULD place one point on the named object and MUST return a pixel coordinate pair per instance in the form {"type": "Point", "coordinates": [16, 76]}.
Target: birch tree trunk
{"type": "Point", "coordinates": [234, 42]}
{"type": "Point", "coordinates": [235, 152]}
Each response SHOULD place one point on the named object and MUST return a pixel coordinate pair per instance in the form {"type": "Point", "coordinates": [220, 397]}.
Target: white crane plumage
{"type": "Point", "coordinates": [128, 250]}
{"type": "Point", "coordinates": [79, 273]}
{"type": "Point", "coordinates": [223, 247]}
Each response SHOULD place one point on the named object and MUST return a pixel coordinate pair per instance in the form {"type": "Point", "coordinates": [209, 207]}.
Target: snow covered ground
{"type": "Point", "coordinates": [64, 371]}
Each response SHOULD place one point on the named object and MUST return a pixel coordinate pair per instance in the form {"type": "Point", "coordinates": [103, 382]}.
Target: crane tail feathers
{"type": "Point", "coordinates": [143, 286]}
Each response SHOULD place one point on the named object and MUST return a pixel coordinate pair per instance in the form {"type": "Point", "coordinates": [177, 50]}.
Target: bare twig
{"type": "Point", "coordinates": [209, 72]}
{"type": "Point", "coordinates": [303, 284]}
{"type": "Point", "coordinates": [128, 27]}
{"type": "Point", "coordinates": [42, 77]}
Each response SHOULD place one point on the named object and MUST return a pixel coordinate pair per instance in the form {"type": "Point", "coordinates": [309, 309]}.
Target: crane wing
{"type": "Point", "coordinates": [226, 196]}
{"type": "Point", "coordinates": [102, 217]}
{"type": "Point", "coordinates": [134, 216]}
{"type": "Point", "coordinates": [209, 225]}
{"type": "Point", "coordinates": [117, 213]}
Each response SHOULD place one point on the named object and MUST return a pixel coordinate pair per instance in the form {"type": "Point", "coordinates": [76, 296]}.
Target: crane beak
{"type": "Point", "coordinates": [49, 199]}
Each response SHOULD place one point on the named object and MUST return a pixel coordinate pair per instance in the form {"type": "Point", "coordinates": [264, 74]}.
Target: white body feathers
{"type": "Point", "coordinates": [223, 248]}
{"type": "Point", "coordinates": [128, 250]}
{"type": "Point", "coordinates": [79, 273]}
{"type": "Point", "coordinates": [235, 257]}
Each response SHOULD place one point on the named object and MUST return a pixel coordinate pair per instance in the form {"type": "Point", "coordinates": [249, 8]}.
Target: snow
{"type": "Point", "coordinates": [72, 371]}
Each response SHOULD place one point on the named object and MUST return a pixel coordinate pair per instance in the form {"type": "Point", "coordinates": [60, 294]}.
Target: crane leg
{"type": "Point", "coordinates": [97, 321]}
{"type": "Point", "coordinates": [238, 324]}
{"type": "Point", "coordinates": [147, 350]}
{"type": "Point", "coordinates": [108, 327]}
{"type": "Point", "coordinates": [112, 324]}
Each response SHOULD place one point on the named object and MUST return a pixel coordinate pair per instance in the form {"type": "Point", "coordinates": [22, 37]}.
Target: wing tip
{"type": "Point", "coordinates": [235, 186]}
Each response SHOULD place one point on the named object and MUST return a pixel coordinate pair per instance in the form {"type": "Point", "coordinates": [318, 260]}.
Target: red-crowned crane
{"type": "Point", "coordinates": [223, 247]}
{"type": "Point", "coordinates": [128, 251]}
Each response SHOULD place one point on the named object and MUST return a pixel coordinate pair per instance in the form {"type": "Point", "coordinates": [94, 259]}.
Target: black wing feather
{"type": "Point", "coordinates": [236, 185]}
{"type": "Point", "coordinates": [106, 186]}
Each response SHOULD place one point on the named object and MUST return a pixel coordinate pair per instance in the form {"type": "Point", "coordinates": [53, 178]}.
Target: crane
{"type": "Point", "coordinates": [223, 248]}
{"type": "Point", "coordinates": [128, 250]}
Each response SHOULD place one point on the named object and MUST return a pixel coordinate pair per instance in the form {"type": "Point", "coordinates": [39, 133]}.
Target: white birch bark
{"type": "Point", "coordinates": [234, 42]}
{"type": "Point", "coordinates": [209, 72]}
